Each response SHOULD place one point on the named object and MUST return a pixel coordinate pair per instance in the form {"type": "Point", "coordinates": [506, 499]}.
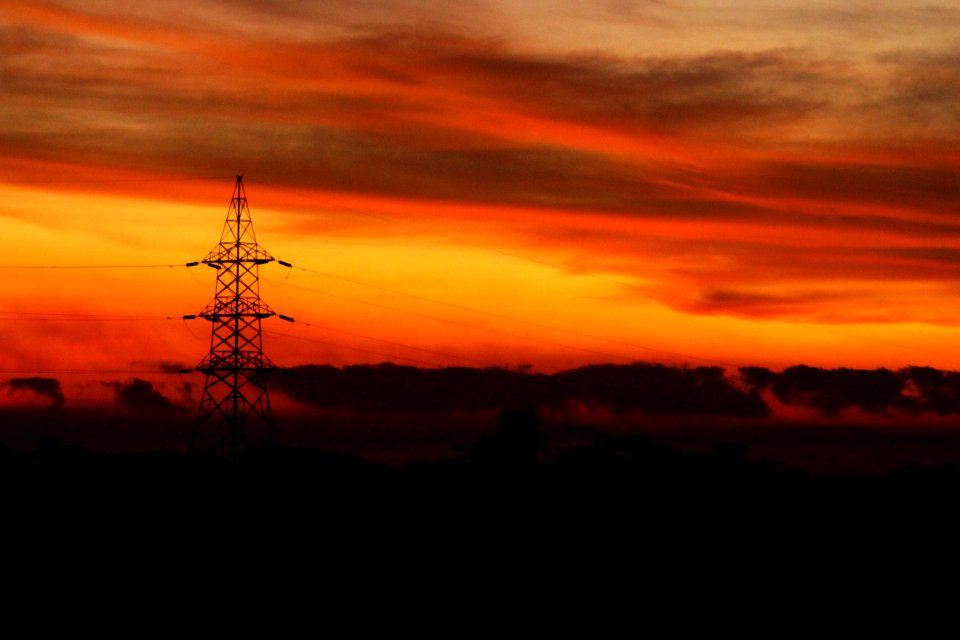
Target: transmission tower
{"type": "Point", "coordinates": [236, 369]}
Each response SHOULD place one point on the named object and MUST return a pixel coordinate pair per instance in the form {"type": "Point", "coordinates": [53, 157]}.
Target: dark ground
{"type": "Point", "coordinates": [509, 475]}
{"type": "Point", "coordinates": [619, 515]}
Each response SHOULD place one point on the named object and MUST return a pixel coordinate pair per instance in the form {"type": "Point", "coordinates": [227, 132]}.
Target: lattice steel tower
{"type": "Point", "coordinates": [235, 368]}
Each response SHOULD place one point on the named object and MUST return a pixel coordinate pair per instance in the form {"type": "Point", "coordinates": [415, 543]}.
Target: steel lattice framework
{"type": "Point", "coordinates": [235, 368]}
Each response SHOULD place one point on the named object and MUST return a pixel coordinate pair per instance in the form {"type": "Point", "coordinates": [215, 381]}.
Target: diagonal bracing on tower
{"type": "Point", "coordinates": [235, 389]}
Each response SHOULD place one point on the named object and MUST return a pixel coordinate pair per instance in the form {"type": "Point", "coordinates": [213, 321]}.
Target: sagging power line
{"type": "Point", "coordinates": [655, 293]}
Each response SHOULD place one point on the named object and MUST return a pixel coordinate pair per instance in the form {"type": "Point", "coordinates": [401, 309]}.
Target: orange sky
{"type": "Point", "coordinates": [750, 182]}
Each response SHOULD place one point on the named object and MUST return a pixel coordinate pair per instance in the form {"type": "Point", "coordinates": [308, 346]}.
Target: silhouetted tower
{"type": "Point", "coordinates": [235, 368]}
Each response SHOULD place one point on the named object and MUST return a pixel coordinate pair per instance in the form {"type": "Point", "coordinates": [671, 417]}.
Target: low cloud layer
{"type": "Point", "coordinates": [401, 413]}
{"type": "Point", "coordinates": [46, 388]}
{"type": "Point", "coordinates": [912, 390]}
{"type": "Point", "coordinates": [645, 388]}
{"type": "Point", "coordinates": [141, 395]}
{"type": "Point", "coordinates": [648, 389]}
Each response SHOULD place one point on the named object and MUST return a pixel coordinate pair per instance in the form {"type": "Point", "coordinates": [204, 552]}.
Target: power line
{"type": "Point", "coordinates": [29, 316]}
{"type": "Point", "coordinates": [109, 180]}
{"type": "Point", "coordinates": [564, 268]}
{"type": "Point", "coordinates": [486, 247]}
{"type": "Point", "coordinates": [581, 333]}
{"type": "Point", "coordinates": [41, 316]}
{"type": "Point", "coordinates": [376, 353]}
{"type": "Point", "coordinates": [492, 314]}
{"type": "Point", "coordinates": [90, 266]}
{"type": "Point", "coordinates": [469, 243]}
{"type": "Point", "coordinates": [78, 371]}
{"type": "Point", "coordinates": [513, 335]}
{"type": "Point", "coordinates": [460, 324]}
{"type": "Point", "coordinates": [81, 319]}
{"type": "Point", "coordinates": [421, 229]}
{"type": "Point", "coordinates": [398, 344]}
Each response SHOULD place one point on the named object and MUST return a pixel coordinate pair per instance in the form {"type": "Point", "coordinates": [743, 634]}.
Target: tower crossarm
{"type": "Point", "coordinates": [252, 362]}
{"type": "Point", "coordinates": [245, 252]}
{"type": "Point", "coordinates": [232, 307]}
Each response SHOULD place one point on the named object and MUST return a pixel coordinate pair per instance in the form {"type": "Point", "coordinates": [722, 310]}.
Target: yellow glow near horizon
{"type": "Point", "coordinates": [571, 319]}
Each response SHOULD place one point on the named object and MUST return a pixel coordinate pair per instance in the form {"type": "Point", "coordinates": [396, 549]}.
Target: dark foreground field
{"type": "Point", "coordinates": [615, 479]}
{"type": "Point", "coordinates": [620, 506]}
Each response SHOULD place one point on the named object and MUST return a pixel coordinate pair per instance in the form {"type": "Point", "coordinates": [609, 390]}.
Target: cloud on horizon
{"type": "Point", "coordinates": [404, 412]}
{"type": "Point", "coordinates": [647, 388]}
{"type": "Point", "coordinates": [141, 395]}
{"type": "Point", "coordinates": [48, 388]}
{"type": "Point", "coordinates": [911, 390]}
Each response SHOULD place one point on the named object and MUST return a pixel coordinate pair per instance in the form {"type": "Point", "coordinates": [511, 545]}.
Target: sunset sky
{"type": "Point", "coordinates": [546, 183]}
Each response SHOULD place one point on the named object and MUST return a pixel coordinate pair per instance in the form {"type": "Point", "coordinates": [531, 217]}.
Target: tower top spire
{"type": "Point", "coordinates": [238, 240]}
